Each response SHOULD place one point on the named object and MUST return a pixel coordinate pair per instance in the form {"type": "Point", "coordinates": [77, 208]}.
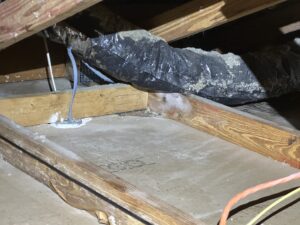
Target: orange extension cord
{"type": "Point", "coordinates": [252, 190]}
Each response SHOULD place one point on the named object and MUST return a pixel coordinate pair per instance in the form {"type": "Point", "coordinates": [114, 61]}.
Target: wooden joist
{"type": "Point", "coordinates": [26, 60]}
{"type": "Point", "coordinates": [107, 21]}
{"type": "Point", "coordinates": [200, 15]}
{"type": "Point", "coordinates": [33, 74]}
{"type": "Point", "coordinates": [83, 185]}
{"type": "Point", "coordinates": [22, 18]}
{"type": "Point", "coordinates": [293, 27]}
{"type": "Point", "coordinates": [251, 132]}
{"type": "Point", "coordinates": [51, 107]}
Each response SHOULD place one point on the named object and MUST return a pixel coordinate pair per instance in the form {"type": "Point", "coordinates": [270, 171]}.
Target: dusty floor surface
{"type": "Point", "coordinates": [24, 201]}
{"type": "Point", "coordinates": [189, 169]}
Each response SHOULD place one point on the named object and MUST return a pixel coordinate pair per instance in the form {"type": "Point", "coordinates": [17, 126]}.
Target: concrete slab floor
{"type": "Point", "coordinates": [25, 201]}
{"type": "Point", "coordinates": [189, 169]}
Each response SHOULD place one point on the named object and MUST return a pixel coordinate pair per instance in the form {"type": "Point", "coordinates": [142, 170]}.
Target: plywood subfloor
{"type": "Point", "coordinates": [189, 169]}
{"type": "Point", "coordinates": [25, 201]}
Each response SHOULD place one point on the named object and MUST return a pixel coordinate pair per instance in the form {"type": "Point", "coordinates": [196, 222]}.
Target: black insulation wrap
{"type": "Point", "coordinates": [148, 62]}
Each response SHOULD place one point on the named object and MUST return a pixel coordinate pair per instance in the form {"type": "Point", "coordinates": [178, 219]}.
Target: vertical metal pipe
{"type": "Point", "coordinates": [53, 85]}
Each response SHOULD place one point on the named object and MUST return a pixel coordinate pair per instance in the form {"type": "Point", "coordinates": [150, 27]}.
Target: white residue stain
{"type": "Point", "coordinates": [54, 117]}
{"type": "Point", "coordinates": [112, 220]}
{"type": "Point", "coordinates": [198, 86]}
{"type": "Point", "coordinates": [138, 35]}
{"type": "Point", "coordinates": [232, 60]}
{"type": "Point", "coordinates": [175, 101]}
{"type": "Point", "coordinates": [71, 125]}
{"type": "Point", "coordinates": [36, 14]}
{"type": "Point", "coordinates": [39, 137]}
{"type": "Point", "coordinates": [43, 138]}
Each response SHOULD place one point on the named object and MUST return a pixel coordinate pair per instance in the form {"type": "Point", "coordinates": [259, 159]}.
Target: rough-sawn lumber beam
{"type": "Point", "coordinates": [33, 74]}
{"type": "Point", "coordinates": [45, 108]}
{"type": "Point", "coordinates": [22, 18]}
{"type": "Point", "coordinates": [251, 132]}
{"type": "Point", "coordinates": [83, 185]}
{"type": "Point", "coordinates": [200, 15]}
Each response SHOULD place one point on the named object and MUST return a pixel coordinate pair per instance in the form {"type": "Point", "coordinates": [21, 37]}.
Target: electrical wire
{"type": "Point", "coordinates": [75, 83]}
{"type": "Point", "coordinates": [252, 190]}
{"type": "Point", "coordinates": [283, 198]}
{"type": "Point", "coordinates": [98, 73]}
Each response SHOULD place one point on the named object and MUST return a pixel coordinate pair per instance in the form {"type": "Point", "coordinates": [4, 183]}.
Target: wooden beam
{"type": "Point", "coordinates": [22, 18]}
{"type": "Point", "coordinates": [70, 191]}
{"type": "Point", "coordinates": [200, 15]}
{"type": "Point", "coordinates": [293, 27]}
{"type": "Point", "coordinates": [95, 101]}
{"type": "Point", "coordinates": [33, 74]}
{"type": "Point", "coordinates": [107, 21]}
{"type": "Point", "coordinates": [20, 67]}
{"type": "Point", "coordinates": [258, 135]}
{"type": "Point", "coordinates": [74, 180]}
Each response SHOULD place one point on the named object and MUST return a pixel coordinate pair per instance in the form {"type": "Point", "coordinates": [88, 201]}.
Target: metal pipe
{"type": "Point", "coordinates": [53, 85]}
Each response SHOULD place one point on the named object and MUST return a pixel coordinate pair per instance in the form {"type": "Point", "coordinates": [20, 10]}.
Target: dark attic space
{"type": "Point", "coordinates": [138, 112]}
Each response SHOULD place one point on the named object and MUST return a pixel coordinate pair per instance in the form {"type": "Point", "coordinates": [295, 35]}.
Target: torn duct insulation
{"type": "Point", "coordinates": [148, 62]}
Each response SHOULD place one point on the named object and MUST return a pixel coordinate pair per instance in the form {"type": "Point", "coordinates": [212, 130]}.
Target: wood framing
{"type": "Point", "coordinates": [33, 74]}
{"type": "Point", "coordinates": [293, 27]}
{"type": "Point", "coordinates": [108, 21]}
{"type": "Point", "coordinates": [22, 18]}
{"type": "Point", "coordinates": [83, 185]}
{"type": "Point", "coordinates": [95, 101]}
{"type": "Point", "coordinates": [258, 135]}
{"type": "Point", "coordinates": [101, 193]}
{"type": "Point", "coordinates": [200, 15]}
{"type": "Point", "coordinates": [20, 67]}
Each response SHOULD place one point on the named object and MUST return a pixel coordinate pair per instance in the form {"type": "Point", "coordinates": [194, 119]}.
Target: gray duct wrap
{"type": "Point", "coordinates": [148, 62]}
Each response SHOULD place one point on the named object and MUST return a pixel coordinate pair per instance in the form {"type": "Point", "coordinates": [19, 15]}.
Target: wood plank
{"type": "Point", "coordinates": [200, 15]}
{"type": "Point", "coordinates": [22, 18]}
{"type": "Point", "coordinates": [258, 135]}
{"type": "Point", "coordinates": [20, 67]}
{"type": "Point", "coordinates": [140, 11]}
{"type": "Point", "coordinates": [20, 142]}
{"type": "Point", "coordinates": [33, 74]}
{"type": "Point", "coordinates": [71, 192]}
{"type": "Point", "coordinates": [94, 101]}
{"type": "Point", "coordinates": [293, 27]}
{"type": "Point", "coordinates": [106, 20]}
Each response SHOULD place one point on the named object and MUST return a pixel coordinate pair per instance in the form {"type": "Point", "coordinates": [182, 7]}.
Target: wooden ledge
{"type": "Point", "coordinates": [29, 110]}
{"type": "Point", "coordinates": [251, 132]}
